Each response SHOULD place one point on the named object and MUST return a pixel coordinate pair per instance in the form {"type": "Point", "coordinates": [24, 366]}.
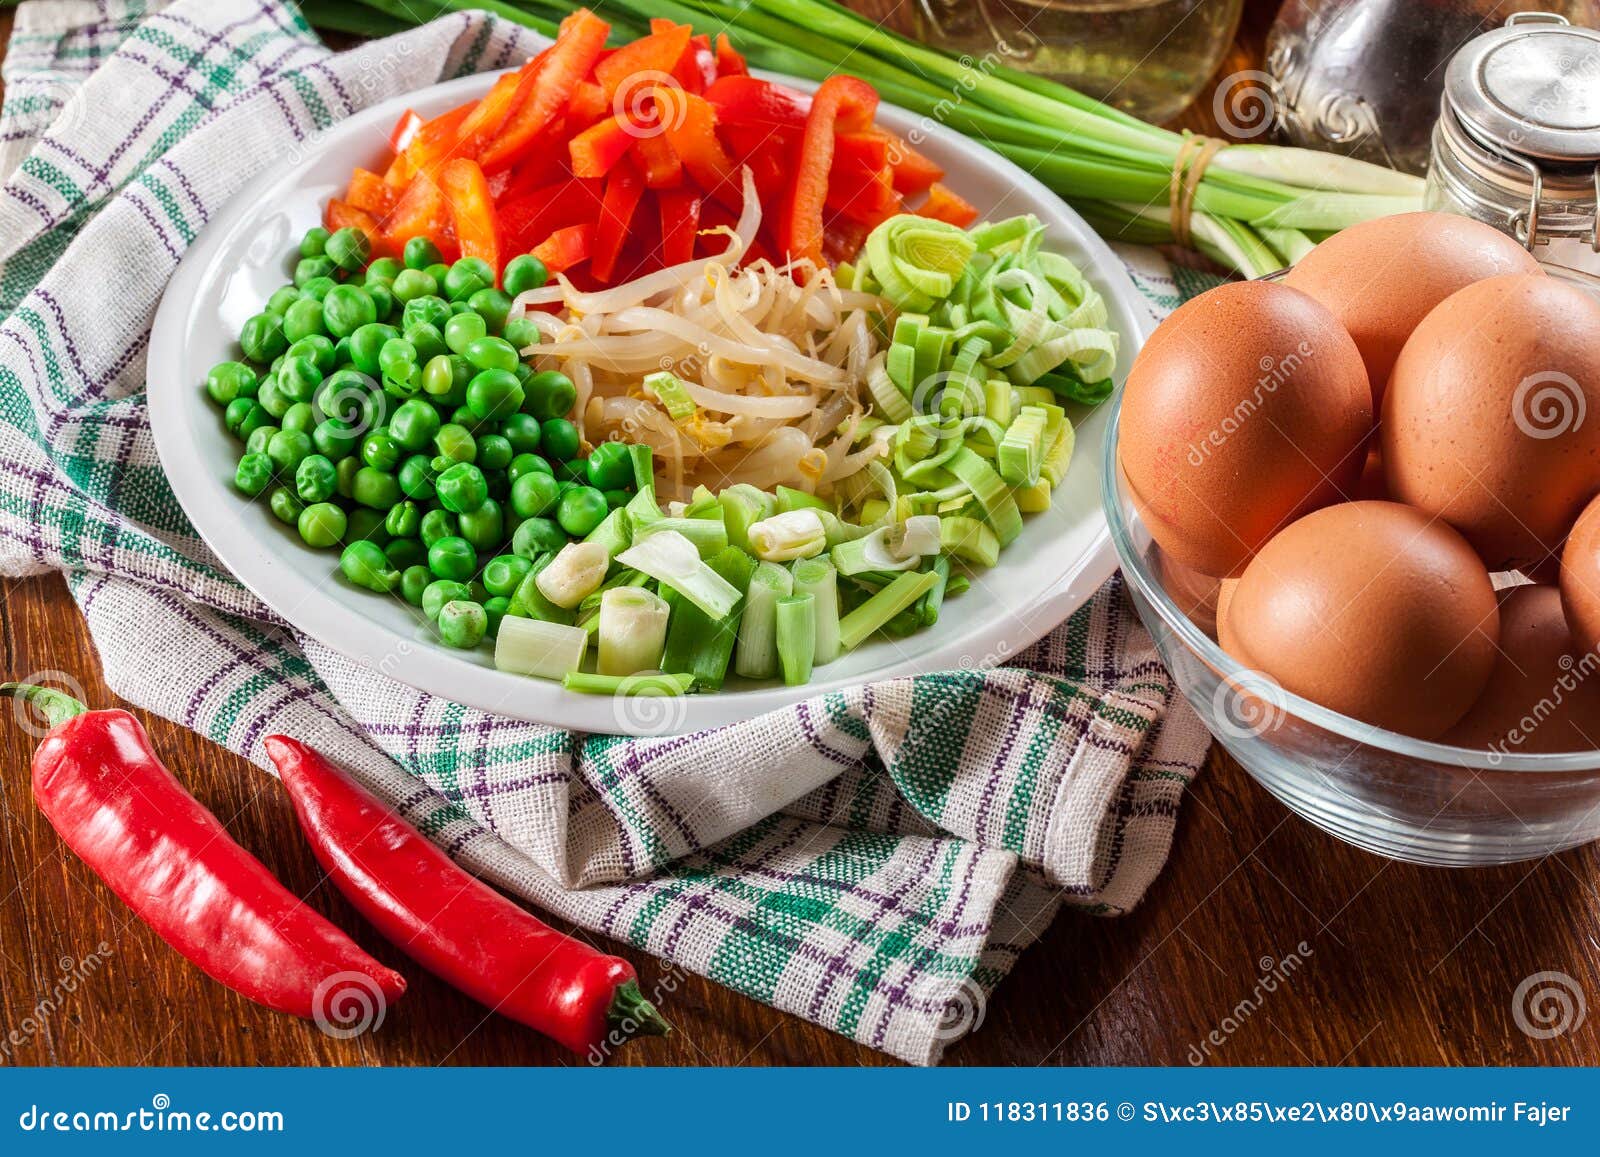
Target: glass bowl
{"type": "Point", "coordinates": [1427, 803]}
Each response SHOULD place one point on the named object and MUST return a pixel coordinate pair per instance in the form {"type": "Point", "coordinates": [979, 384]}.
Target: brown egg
{"type": "Point", "coordinates": [1371, 609]}
{"type": "Point", "coordinates": [1580, 578]}
{"type": "Point", "coordinates": [1370, 486]}
{"type": "Point", "coordinates": [1382, 277]}
{"type": "Point", "coordinates": [1544, 692]}
{"type": "Point", "coordinates": [1246, 408]}
{"type": "Point", "coordinates": [1492, 419]}
{"type": "Point", "coordinates": [1224, 601]}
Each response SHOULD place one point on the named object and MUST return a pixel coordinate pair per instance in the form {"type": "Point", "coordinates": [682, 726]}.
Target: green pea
{"type": "Point", "coordinates": [521, 332]}
{"type": "Point", "coordinates": [427, 340]}
{"type": "Point", "coordinates": [365, 564]}
{"type": "Point", "coordinates": [484, 527]}
{"type": "Point", "coordinates": [343, 395]}
{"type": "Point", "coordinates": [466, 277]}
{"type": "Point", "coordinates": [346, 309]}
{"type": "Point", "coordinates": [499, 481]}
{"type": "Point", "coordinates": [420, 253]}
{"type": "Point", "coordinates": [494, 611]}
{"type": "Point", "coordinates": [533, 494]}
{"type": "Point", "coordinates": [452, 558]}
{"type": "Point", "coordinates": [436, 271]}
{"type": "Point", "coordinates": [494, 453]}
{"type": "Point", "coordinates": [322, 524]}
{"type": "Point", "coordinates": [456, 443]}
{"type": "Point", "coordinates": [413, 284]}
{"type": "Point", "coordinates": [527, 464]}
{"type": "Point", "coordinates": [272, 399]}
{"type": "Point", "coordinates": [403, 553]}
{"type": "Point", "coordinates": [335, 439]}
{"type": "Point", "coordinates": [348, 248]}
{"type": "Point", "coordinates": [462, 624]}
{"type": "Point", "coordinates": [454, 386]}
{"type": "Point", "coordinates": [303, 319]}
{"type": "Point", "coordinates": [524, 273]}
{"type": "Point", "coordinates": [254, 473]}
{"type": "Point", "coordinates": [536, 536]}
{"type": "Point", "coordinates": [281, 299]}
{"type": "Point", "coordinates": [503, 573]}
{"type": "Point", "coordinates": [414, 581]}
{"type": "Point", "coordinates": [522, 431]}
{"type": "Point", "coordinates": [299, 416]}
{"type": "Point", "coordinates": [559, 438]}
{"type": "Point", "coordinates": [315, 242]}
{"type": "Point", "coordinates": [437, 524]}
{"type": "Point", "coordinates": [463, 307]}
{"type": "Point", "coordinates": [441, 591]}
{"type": "Point", "coordinates": [317, 288]}
{"type": "Point", "coordinates": [492, 305]}
{"type": "Point", "coordinates": [414, 424]}
{"type": "Point", "coordinates": [573, 472]}
{"type": "Point", "coordinates": [580, 510]}
{"type": "Point", "coordinates": [397, 359]}
{"type": "Point", "coordinates": [416, 476]}
{"type": "Point", "coordinates": [609, 466]}
{"type": "Point", "coordinates": [226, 381]}
{"type": "Point", "coordinates": [298, 378]}
{"type": "Point", "coordinates": [315, 479]}
{"type": "Point", "coordinates": [260, 438]}
{"type": "Point", "coordinates": [384, 270]}
{"type": "Point", "coordinates": [284, 505]}
{"type": "Point", "coordinates": [426, 309]}
{"type": "Point", "coordinates": [382, 298]}
{"type": "Point", "coordinates": [374, 488]}
{"type": "Point", "coordinates": [491, 353]}
{"type": "Point", "coordinates": [288, 449]}
{"type": "Point", "coordinates": [318, 348]}
{"type": "Point", "coordinates": [344, 476]}
{"type": "Point", "coordinates": [367, 523]}
{"type": "Point", "coordinates": [464, 417]}
{"type": "Point", "coordinates": [550, 394]}
{"type": "Point", "coordinates": [243, 415]}
{"type": "Point", "coordinates": [380, 451]}
{"type": "Point", "coordinates": [404, 520]}
{"type": "Point", "coordinates": [262, 337]}
{"type": "Point", "coordinates": [309, 269]}
{"type": "Point", "coordinates": [462, 488]}
{"type": "Point", "coordinates": [616, 498]}
{"type": "Point", "coordinates": [462, 330]}
{"type": "Point", "coordinates": [494, 394]}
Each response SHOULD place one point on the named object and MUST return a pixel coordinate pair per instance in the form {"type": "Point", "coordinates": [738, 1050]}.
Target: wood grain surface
{"type": "Point", "coordinates": [1380, 963]}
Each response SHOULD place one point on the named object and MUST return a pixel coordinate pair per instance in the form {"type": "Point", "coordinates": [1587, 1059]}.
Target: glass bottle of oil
{"type": "Point", "coordinates": [1148, 57]}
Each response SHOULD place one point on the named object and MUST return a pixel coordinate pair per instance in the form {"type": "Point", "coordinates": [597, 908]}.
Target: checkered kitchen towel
{"type": "Point", "coordinates": [873, 861]}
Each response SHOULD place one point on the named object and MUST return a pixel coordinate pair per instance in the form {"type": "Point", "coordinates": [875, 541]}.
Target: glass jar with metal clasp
{"type": "Point", "coordinates": [1517, 144]}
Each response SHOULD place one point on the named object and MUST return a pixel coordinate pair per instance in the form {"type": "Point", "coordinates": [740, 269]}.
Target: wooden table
{"type": "Point", "coordinates": [1396, 964]}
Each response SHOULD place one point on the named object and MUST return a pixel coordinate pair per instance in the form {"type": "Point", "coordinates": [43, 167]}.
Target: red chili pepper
{"type": "Point", "coordinates": [841, 104]}
{"type": "Point", "coordinates": [103, 789]}
{"type": "Point", "coordinates": [680, 224]}
{"type": "Point", "coordinates": [452, 923]}
{"type": "Point", "coordinates": [578, 45]}
{"type": "Point", "coordinates": [624, 187]}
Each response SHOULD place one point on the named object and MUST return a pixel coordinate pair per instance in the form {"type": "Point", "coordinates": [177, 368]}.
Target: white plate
{"type": "Point", "coordinates": [237, 261]}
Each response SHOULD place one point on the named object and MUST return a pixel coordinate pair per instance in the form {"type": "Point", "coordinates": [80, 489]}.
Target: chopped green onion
{"type": "Point", "coordinates": [927, 610]}
{"type": "Point", "coordinates": [672, 559]}
{"type": "Point", "coordinates": [1021, 451]}
{"type": "Point", "coordinates": [579, 568]}
{"type": "Point", "coordinates": [633, 631]}
{"type": "Point", "coordinates": [999, 510]}
{"type": "Point", "coordinates": [669, 391]}
{"type": "Point", "coordinates": [969, 539]}
{"type": "Point", "coordinates": [644, 471]}
{"type": "Point", "coordinates": [872, 553]}
{"type": "Point", "coordinates": [543, 650]}
{"type": "Point", "coordinates": [642, 509]}
{"type": "Point", "coordinates": [743, 505]}
{"type": "Point", "coordinates": [791, 535]}
{"type": "Point", "coordinates": [698, 643]}
{"type": "Point", "coordinates": [871, 615]}
{"type": "Point", "coordinates": [530, 602]}
{"type": "Point", "coordinates": [797, 638]}
{"type": "Point", "coordinates": [1059, 456]}
{"type": "Point", "coordinates": [817, 578]}
{"type": "Point", "coordinates": [642, 685]}
{"type": "Point", "coordinates": [613, 533]}
{"type": "Point", "coordinates": [709, 535]}
{"type": "Point", "coordinates": [757, 657]}
{"type": "Point", "coordinates": [788, 498]}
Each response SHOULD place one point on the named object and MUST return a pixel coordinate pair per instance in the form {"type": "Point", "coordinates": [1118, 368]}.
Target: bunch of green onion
{"type": "Point", "coordinates": [1255, 209]}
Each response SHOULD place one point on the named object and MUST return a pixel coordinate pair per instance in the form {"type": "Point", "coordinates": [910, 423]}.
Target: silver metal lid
{"type": "Point", "coordinates": [1532, 88]}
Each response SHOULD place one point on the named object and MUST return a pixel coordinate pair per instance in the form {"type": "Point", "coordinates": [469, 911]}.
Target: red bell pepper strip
{"type": "Point", "coordinates": [434, 142]}
{"type": "Point", "coordinates": [654, 155]}
{"type": "Point", "coordinates": [696, 69]}
{"type": "Point", "coordinates": [689, 124]}
{"type": "Point", "coordinates": [496, 107]}
{"type": "Point", "coordinates": [745, 100]}
{"type": "Point", "coordinates": [565, 248]}
{"type": "Point", "coordinates": [656, 53]}
{"type": "Point", "coordinates": [680, 224]}
{"type": "Point", "coordinates": [528, 218]}
{"type": "Point", "coordinates": [450, 922]}
{"type": "Point", "coordinates": [768, 154]}
{"type": "Point", "coordinates": [371, 193]}
{"type": "Point", "coordinates": [867, 152]}
{"type": "Point", "coordinates": [343, 215]}
{"type": "Point", "coordinates": [624, 188]}
{"type": "Point", "coordinates": [597, 149]}
{"type": "Point", "coordinates": [729, 62]}
{"type": "Point", "coordinates": [578, 45]}
{"type": "Point", "coordinates": [421, 211]}
{"type": "Point", "coordinates": [944, 205]}
{"type": "Point", "coordinates": [843, 239]}
{"type": "Point", "coordinates": [913, 172]}
{"type": "Point", "coordinates": [466, 190]}
{"type": "Point", "coordinates": [404, 131]}
{"type": "Point", "coordinates": [107, 794]}
{"type": "Point", "coordinates": [841, 104]}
